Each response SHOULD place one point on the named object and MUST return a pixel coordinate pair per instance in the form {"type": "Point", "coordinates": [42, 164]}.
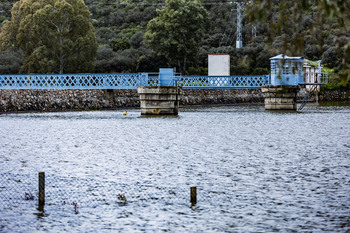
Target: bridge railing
{"type": "Point", "coordinates": [75, 81]}
{"type": "Point", "coordinates": [150, 79]}
{"type": "Point", "coordinates": [126, 81]}
{"type": "Point", "coordinates": [211, 82]}
{"type": "Point", "coordinates": [324, 77]}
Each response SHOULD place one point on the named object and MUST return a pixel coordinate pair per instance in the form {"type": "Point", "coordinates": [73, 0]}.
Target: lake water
{"type": "Point", "coordinates": [255, 171]}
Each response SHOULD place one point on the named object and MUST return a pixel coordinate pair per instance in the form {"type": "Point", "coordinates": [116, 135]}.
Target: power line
{"type": "Point", "coordinates": [155, 4]}
{"type": "Point", "coordinates": [216, 3]}
{"type": "Point", "coordinates": [227, 25]}
{"type": "Point", "coordinates": [233, 38]}
{"type": "Point", "coordinates": [239, 17]}
{"type": "Point", "coordinates": [229, 36]}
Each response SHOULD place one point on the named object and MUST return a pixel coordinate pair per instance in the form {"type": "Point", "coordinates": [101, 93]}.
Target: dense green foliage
{"type": "Point", "coordinates": [55, 36]}
{"type": "Point", "coordinates": [315, 29]}
{"type": "Point", "coordinates": [177, 32]}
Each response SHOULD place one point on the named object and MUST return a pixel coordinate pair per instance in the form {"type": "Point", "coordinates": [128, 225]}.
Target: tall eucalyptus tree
{"type": "Point", "coordinates": [55, 36]}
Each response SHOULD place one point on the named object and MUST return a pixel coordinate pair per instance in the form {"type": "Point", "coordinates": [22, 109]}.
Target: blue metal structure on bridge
{"type": "Point", "coordinates": [165, 77]}
{"type": "Point", "coordinates": [284, 71]}
{"type": "Point", "coordinates": [159, 92]}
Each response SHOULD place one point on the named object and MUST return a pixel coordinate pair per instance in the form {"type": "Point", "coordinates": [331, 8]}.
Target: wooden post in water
{"type": "Point", "coordinates": [193, 195]}
{"type": "Point", "coordinates": [41, 189]}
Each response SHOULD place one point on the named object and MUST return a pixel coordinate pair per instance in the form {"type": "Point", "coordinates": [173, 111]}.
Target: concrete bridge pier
{"type": "Point", "coordinates": [159, 100]}
{"type": "Point", "coordinates": [163, 99]}
{"type": "Point", "coordinates": [280, 97]}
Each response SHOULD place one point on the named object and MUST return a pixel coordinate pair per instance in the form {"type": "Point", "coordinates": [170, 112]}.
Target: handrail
{"type": "Point", "coordinates": [212, 82]}
{"type": "Point", "coordinates": [126, 81]}
{"type": "Point", "coordinates": [307, 97]}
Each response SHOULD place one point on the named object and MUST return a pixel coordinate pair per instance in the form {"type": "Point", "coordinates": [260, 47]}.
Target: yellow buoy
{"type": "Point", "coordinates": [124, 113]}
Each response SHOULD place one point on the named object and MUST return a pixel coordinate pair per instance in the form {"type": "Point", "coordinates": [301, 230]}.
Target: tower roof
{"type": "Point", "coordinates": [285, 57]}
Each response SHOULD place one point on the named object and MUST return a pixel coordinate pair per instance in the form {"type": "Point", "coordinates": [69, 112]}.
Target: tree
{"type": "Point", "coordinates": [55, 36]}
{"type": "Point", "coordinates": [10, 61]}
{"type": "Point", "coordinates": [177, 31]}
{"type": "Point", "coordinates": [120, 44]}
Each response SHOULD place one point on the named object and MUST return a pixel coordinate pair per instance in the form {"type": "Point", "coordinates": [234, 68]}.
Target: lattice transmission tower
{"type": "Point", "coordinates": [254, 31]}
{"type": "Point", "coordinates": [239, 25]}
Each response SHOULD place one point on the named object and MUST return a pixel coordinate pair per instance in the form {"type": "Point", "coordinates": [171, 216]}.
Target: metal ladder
{"type": "Point", "coordinates": [307, 97]}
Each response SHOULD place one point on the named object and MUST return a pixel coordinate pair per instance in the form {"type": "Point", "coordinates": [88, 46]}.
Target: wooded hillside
{"type": "Point", "coordinates": [120, 26]}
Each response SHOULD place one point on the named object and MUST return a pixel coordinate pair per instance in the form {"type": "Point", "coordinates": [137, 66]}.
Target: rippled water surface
{"type": "Point", "coordinates": [255, 171]}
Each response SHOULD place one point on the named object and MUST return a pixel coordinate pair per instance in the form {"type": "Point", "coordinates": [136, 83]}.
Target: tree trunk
{"type": "Point", "coordinates": [184, 65]}
{"type": "Point", "coordinates": [61, 55]}
{"type": "Point", "coordinates": [179, 65]}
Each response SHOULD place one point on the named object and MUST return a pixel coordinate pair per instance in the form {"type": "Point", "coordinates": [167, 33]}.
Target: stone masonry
{"type": "Point", "coordinates": [280, 97]}
{"type": "Point", "coordinates": [162, 100]}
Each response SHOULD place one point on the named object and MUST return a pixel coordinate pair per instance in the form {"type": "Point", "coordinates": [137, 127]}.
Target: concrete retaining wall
{"type": "Point", "coordinates": [221, 96]}
{"type": "Point", "coordinates": [61, 100]}
{"type": "Point", "coordinates": [334, 95]}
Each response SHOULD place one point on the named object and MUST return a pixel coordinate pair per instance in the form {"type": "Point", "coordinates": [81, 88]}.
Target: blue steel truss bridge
{"type": "Point", "coordinates": [128, 81]}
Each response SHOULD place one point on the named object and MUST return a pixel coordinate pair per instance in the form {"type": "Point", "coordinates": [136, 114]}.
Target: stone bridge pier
{"type": "Point", "coordinates": [163, 99]}
{"type": "Point", "coordinates": [280, 97]}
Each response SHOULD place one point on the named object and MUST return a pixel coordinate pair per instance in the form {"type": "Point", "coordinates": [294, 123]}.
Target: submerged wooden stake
{"type": "Point", "coordinates": [41, 189]}
{"type": "Point", "coordinates": [193, 195]}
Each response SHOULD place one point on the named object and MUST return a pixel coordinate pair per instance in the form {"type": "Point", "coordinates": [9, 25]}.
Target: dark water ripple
{"type": "Point", "coordinates": [256, 171]}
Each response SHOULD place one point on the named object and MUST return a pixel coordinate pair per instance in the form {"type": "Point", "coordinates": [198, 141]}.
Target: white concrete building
{"type": "Point", "coordinates": [218, 65]}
